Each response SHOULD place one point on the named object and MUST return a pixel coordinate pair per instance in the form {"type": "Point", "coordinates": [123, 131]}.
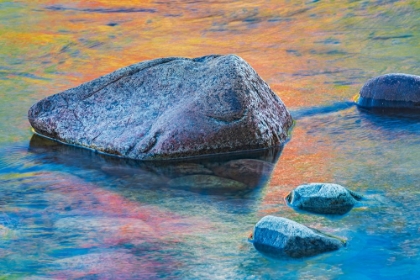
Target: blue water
{"type": "Point", "coordinates": [58, 218]}
{"type": "Point", "coordinates": [70, 213]}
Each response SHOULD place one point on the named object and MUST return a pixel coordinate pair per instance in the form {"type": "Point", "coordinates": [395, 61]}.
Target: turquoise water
{"type": "Point", "coordinates": [67, 212]}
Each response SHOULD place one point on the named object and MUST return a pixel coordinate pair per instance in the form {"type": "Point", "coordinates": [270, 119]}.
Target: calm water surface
{"type": "Point", "coordinates": [70, 213]}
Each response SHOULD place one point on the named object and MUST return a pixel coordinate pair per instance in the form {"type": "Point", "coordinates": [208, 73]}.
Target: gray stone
{"type": "Point", "coordinates": [252, 172]}
{"type": "Point", "coordinates": [323, 198]}
{"type": "Point", "coordinates": [280, 237]}
{"type": "Point", "coordinates": [391, 91]}
{"type": "Point", "coordinates": [168, 108]}
{"type": "Point", "coordinates": [206, 182]}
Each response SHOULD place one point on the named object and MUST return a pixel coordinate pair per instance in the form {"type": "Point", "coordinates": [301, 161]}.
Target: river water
{"type": "Point", "coordinates": [70, 213]}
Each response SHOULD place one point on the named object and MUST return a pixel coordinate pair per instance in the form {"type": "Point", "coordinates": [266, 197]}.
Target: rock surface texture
{"type": "Point", "coordinates": [168, 108]}
{"type": "Point", "coordinates": [323, 198]}
{"type": "Point", "coordinates": [393, 91]}
{"type": "Point", "coordinates": [283, 237]}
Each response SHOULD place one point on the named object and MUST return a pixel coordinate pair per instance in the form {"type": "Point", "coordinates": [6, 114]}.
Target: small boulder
{"type": "Point", "coordinates": [281, 237]}
{"type": "Point", "coordinates": [323, 198]}
{"type": "Point", "coordinates": [391, 92]}
{"type": "Point", "coordinates": [168, 108]}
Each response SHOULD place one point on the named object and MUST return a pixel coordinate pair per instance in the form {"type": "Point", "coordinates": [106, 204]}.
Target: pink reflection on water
{"type": "Point", "coordinates": [98, 219]}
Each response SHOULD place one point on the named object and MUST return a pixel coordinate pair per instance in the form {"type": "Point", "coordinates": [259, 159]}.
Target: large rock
{"type": "Point", "coordinates": [283, 237]}
{"type": "Point", "coordinates": [168, 108]}
{"type": "Point", "coordinates": [323, 198]}
{"type": "Point", "coordinates": [391, 91]}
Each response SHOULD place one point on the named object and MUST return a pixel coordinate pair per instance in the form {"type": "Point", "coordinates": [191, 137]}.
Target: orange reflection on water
{"type": "Point", "coordinates": [87, 39]}
{"type": "Point", "coordinates": [300, 162]}
{"type": "Point", "coordinates": [86, 199]}
{"type": "Point", "coordinates": [90, 38]}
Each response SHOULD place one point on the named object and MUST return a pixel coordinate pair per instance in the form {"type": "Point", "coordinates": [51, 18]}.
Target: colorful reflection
{"type": "Point", "coordinates": [67, 213]}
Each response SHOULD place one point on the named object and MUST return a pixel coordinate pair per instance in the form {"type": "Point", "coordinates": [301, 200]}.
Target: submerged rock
{"type": "Point", "coordinates": [248, 171]}
{"type": "Point", "coordinates": [323, 198]}
{"type": "Point", "coordinates": [278, 236]}
{"type": "Point", "coordinates": [206, 183]}
{"type": "Point", "coordinates": [391, 92]}
{"type": "Point", "coordinates": [187, 168]}
{"type": "Point", "coordinates": [168, 108]}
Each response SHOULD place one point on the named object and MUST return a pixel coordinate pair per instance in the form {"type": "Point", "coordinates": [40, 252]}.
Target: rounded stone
{"type": "Point", "coordinates": [391, 91]}
{"type": "Point", "coordinates": [279, 237]}
{"type": "Point", "coordinates": [323, 198]}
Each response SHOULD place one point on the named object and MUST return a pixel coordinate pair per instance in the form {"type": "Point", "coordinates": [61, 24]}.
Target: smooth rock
{"type": "Point", "coordinates": [323, 198]}
{"type": "Point", "coordinates": [248, 171]}
{"type": "Point", "coordinates": [206, 182]}
{"type": "Point", "coordinates": [391, 91]}
{"type": "Point", "coordinates": [281, 237]}
{"type": "Point", "coordinates": [168, 108]}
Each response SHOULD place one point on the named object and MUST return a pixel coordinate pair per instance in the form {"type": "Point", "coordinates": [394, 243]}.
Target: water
{"type": "Point", "coordinates": [71, 213]}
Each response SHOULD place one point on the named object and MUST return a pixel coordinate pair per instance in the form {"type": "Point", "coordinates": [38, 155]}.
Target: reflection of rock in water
{"type": "Point", "coordinates": [188, 168]}
{"type": "Point", "coordinates": [391, 122]}
{"type": "Point", "coordinates": [248, 171]}
{"type": "Point", "coordinates": [211, 174]}
{"type": "Point", "coordinates": [355, 125]}
{"type": "Point", "coordinates": [207, 183]}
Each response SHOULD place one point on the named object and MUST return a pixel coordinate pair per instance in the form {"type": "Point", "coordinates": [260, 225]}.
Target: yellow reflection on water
{"type": "Point", "coordinates": [310, 53]}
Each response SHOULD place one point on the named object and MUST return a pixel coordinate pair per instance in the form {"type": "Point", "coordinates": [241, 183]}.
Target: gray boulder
{"type": "Point", "coordinates": [168, 108]}
{"type": "Point", "coordinates": [280, 237]}
{"type": "Point", "coordinates": [323, 198]}
{"type": "Point", "coordinates": [391, 91]}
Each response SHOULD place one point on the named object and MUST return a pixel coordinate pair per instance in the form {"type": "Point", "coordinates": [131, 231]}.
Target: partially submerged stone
{"type": "Point", "coordinates": [168, 108]}
{"type": "Point", "coordinates": [323, 198]}
{"type": "Point", "coordinates": [280, 237]}
{"type": "Point", "coordinates": [391, 92]}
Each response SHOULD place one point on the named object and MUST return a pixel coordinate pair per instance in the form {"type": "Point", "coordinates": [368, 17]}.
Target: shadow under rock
{"type": "Point", "coordinates": [391, 122]}
{"type": "Point", "coordinates": [403, 112]}
{"type": "Point", "coordinates": [237, 174]}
